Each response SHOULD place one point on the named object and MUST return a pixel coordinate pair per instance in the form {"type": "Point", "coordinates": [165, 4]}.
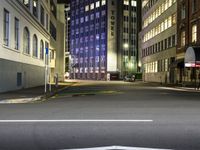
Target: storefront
{"type": "Point", "coordinates": [192, 64]}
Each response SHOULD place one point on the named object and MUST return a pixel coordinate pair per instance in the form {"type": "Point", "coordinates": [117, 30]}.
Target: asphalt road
{"type": "Point", "coordinates": [104, 114]}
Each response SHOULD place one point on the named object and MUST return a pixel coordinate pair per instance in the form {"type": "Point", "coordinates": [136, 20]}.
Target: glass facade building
{"type": "Point", "coordinates": [102, 33]}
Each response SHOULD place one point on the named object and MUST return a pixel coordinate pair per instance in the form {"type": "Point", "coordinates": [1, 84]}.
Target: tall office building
{"type": "Point", "coordinates": [67, 37]}
{"type": "Point", "coordinates": [158, 40]}
{"type": "Point", "coordinates": [103, 41]}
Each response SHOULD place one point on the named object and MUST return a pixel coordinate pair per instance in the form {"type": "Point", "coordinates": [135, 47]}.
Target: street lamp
{"type": "Point", "coordinates": [126, 46]}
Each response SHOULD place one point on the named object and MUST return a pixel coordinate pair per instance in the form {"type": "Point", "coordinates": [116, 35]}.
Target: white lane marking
{"type": "Point", "coordinates": [32, 121]}
{"type": "Point", "coordinates": [117, 148]}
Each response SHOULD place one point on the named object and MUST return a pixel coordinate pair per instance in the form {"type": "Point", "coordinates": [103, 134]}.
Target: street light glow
{"type": "Point", "coordinates": [126, 45]}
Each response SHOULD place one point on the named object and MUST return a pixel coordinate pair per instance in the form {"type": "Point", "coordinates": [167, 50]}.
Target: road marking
{"type": "Point", "coordinates": [32, 121]}
{"type": "Point", "coordinates": [117, 148]}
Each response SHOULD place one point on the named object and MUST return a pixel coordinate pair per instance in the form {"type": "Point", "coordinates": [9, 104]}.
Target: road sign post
{"type": "Point", "coordinates": [46, 68]}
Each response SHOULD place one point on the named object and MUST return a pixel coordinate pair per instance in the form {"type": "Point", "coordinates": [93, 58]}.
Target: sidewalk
{"type": "Point", "coordinates": [176, 87]}
{"type": "Point", "coordinates": [31, 94]}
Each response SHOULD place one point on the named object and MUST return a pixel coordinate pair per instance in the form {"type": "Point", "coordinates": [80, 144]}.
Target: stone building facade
{"type": "Point", "coordinates": [157, 40]}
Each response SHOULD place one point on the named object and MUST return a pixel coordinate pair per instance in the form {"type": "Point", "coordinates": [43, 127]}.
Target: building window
{"type": "Point", "coordinates": [53, 8]}
{"type": "Point", "coordinates": [183, 38]}
{"type": "Point", "coordinates": [42, 15]}
{"type": "Point", "coordinates": [26, 40]}
{"type": "Point", "coordinates": [16, 33]}
{"type": "Point", "coordinates": [19, 79]}
{"type": "Point", "coordinates": [53, 30]}
{"type": "Point", "coordinates": [41, 49]}
{"type": "Point", "coordinates": [92, 6]}
{"type": "Point", "coordinates": [26, 3]}
{"type": "Point", "coordinates": [183, 11]}
{"type": "Point", "coordinates": [35, 8]}
{"type": "Point", "coordinates": [194, 6]}
{"type": "Point", "coordinates": [35, 46]}
{"type": "Point", "coordinates": [103, 2]}
{"type": "Point", "coordinates": [6, 29]}
{"type": "Point", "coordinates": [194, 33]}
{"type": "Point", "coordinates": [47, 22]}
{"type": "Point", "coordinates": [97, 4]}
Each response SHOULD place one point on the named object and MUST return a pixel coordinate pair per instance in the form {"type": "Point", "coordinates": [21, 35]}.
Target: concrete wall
{"type": "Point", "coordinates": [31, 75]}
{"type": "Point", "coordinates": [112, 37]}
{"type": "Point", "coordinates": [60, 52]}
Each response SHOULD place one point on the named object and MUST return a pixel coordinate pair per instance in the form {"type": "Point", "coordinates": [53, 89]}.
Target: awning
{"type": "Point", "coordinates": [192, 57]}
{"type": "Point", "coordinates": [178, 63]}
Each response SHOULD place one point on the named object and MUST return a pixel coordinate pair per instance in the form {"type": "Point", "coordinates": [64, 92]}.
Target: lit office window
{"type": "Point", "coordinates": [97, 4]}
{"type": "Point", "coordinates": [6, 27]}
{"type": "Point", "coordinates": [183, 38]}
{"type": "Point", "coordinates": [194, 33]}
{"type": "Point", "coordinates": [92, 6]}
{"type": "Point", "coordinates": [26, 3]}
{"type": "Point", "coordinates": [126, 2]}
{"type": "Point", "coordinates": [35, 8]}
{"type": "Point", "coordinates": [133, 3]}
{"type": "Point", "coordinates": [103, 2]}
{"type": "Point", "coordinates": [87, 8]}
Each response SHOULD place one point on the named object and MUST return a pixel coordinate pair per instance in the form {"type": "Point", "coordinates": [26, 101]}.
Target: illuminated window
{"type": "Point", "coordinates": [87, 8]}
{"type": "Point", "coordinates": [92, 6]}
{"type": "Point", "coordinates": [174, 19]}
{"type": "Point", "coordinates": [26, 3]}
{"type": "Point", "coordinates": [97, 4]}
{"type": "Point", "coordinates": [126, 2]}
{"type": "Point", "coordinates": [133, 3]}
{"type": "Point", "coordinates": [183, 38]}
{"type": "Point", "coordinates": [35, 8]}
{"type": "Point", "coordinates": [103, 2]}
{"type": "Point", "coordinates": [166, 64]}
{"type": "Point", "coordinates": [170, 21]}
{"type": "Point", "coordinates": [194, 33]}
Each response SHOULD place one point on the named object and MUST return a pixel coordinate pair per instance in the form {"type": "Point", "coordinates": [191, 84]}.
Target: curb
{"type": "Point", "coordinates": [34, 99]}
{"type": "Point", "coordinates": [53, 93]}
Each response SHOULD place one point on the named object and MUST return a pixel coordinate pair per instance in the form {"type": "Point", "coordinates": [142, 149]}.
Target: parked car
{"type": "Point", "coordinates": [129, 78]}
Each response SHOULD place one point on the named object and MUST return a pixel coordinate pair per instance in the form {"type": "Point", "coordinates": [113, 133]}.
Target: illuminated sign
{"type": "Point", "coordinates": [112, 23]}
{"type": "Point", "coordinates": [192, 65]}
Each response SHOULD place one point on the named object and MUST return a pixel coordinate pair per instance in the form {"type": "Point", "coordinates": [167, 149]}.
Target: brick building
{"type": "Point", "coordinates": [188, 35]}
